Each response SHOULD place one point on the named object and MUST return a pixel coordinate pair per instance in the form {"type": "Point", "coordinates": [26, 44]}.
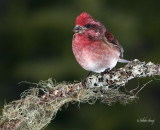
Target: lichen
{"type": "Point", "coordinates": [39, 105]}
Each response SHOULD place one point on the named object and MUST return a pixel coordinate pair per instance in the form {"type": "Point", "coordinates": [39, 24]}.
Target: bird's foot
{"type": "Point", "coordinates": [105, 72]}
{"type": "Point", "coordinates": [83, 81]}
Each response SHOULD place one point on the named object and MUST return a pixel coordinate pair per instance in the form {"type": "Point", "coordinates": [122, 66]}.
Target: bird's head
{"type": "Point", "coordinates": [86, 25]}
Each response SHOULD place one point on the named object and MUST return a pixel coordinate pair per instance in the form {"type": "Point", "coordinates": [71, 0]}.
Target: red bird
{"type": "Point", "coordinates": [95, 48]}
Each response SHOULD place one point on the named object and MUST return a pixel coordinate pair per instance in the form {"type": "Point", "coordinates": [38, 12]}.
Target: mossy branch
{"type": "Point", "coordinates": [39, 105]}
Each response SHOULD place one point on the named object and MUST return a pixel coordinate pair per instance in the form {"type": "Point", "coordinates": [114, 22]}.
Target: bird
{"type": "Point", "coordinates": [94, 47]}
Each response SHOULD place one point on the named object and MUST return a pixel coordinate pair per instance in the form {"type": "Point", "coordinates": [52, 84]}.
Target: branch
{"type": "Point", "coordinates": [39, 105]}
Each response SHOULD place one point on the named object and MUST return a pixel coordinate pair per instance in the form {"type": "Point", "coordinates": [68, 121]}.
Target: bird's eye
{"type": "Point", "coordinates": [88, 25]}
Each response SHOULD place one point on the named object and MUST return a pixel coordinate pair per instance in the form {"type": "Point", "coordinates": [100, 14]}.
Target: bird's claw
{"type": "Point", "coordinates": [105, 72]}
{"type": "Point", "coordinates": [84, 80]}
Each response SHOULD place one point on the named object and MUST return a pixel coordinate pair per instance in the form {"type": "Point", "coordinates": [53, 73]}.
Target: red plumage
{"type": "Point", "coordinates": [94, 47]}
{"type": "Point", "coordinates": [83, 19]}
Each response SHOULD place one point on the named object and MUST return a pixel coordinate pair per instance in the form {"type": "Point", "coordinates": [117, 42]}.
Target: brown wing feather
{"type": "Point", "coordinates": [111, 39]}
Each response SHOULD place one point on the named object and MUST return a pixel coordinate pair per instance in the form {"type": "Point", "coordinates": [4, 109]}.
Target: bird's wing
{"type": "Point", "coordinates": [111, 39]}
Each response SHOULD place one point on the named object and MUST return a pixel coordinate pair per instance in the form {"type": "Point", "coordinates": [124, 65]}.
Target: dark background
{"type": "Point", "coordinates": [35, 44]}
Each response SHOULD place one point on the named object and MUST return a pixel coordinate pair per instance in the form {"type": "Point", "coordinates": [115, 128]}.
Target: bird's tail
{"type": "Point", "coordinates": [123, 60]}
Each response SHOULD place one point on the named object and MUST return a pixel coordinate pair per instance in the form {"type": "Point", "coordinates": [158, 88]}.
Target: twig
{"type": "Point", "coordinates": [39, 105]}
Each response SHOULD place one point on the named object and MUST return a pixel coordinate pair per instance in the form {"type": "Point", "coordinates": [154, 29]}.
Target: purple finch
{"type": "Point", "coordinates": [95, 48]}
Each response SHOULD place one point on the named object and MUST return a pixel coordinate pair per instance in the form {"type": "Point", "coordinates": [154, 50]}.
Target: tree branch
{"type": "Point", "coordinates": [39, 105]}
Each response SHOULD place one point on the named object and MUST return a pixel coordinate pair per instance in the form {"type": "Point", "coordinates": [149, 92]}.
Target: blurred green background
{"type": "Point", "coordinates": [35, 44]}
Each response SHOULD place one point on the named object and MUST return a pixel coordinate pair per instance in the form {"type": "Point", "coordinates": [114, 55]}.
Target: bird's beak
{"type": "Point", "coordinates": [78, 29]}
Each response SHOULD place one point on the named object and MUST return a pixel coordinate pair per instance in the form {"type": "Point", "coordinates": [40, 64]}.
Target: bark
{"type": "Point", "coordinates": [39, 105]}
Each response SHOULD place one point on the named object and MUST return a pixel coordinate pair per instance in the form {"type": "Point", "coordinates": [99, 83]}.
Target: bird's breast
{"type": "Point", "coordinates": [95, 56]}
